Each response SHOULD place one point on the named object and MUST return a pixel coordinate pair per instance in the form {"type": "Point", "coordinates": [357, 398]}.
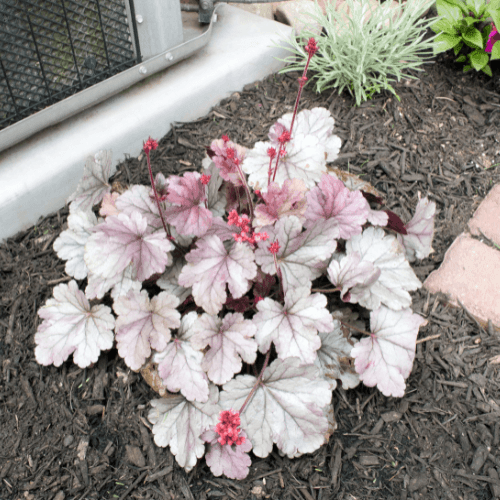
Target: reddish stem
{"type": "Point", "coordinates": [167, 229]}
{"type": "Point", "coordinates": [165, 226]}
{"type": "Point", "coordinates": [257, 382]}
{"type": "Point", "coordinates": [302, 82]}
{"type": "Point", "coordinates": [247, 191]}
{"type": "Point", "coordinates": [270, 171]}
{"type": "Point", "coordinates": [277, 162]}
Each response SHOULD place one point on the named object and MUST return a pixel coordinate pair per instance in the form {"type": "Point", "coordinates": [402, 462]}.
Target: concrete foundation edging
{"type": "Point", "coordinates": [38, 175]}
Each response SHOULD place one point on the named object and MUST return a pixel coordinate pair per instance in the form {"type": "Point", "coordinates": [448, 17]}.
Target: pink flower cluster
{"type": "Point", "coordinates": [274, 248]}
{"type": "Point", "coordinates": [227, 428]}
{"type": "Point", "coordinates": [311, 48]}
{"type": "Point", "coordinates": [246, 234]}
{"type": "Point", "coordinates": [149, 145]}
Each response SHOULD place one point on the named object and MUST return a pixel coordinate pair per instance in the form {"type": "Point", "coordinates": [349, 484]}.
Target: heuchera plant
{"type": "Point", "coordinates": [211, 278]}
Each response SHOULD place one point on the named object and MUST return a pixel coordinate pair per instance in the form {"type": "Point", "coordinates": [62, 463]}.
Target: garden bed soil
{"type": "Point", "coordinates": [74, 434]}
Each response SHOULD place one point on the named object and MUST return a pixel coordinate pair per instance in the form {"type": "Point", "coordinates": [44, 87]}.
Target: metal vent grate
{"type": "Point", "coordinates": [51, 49]}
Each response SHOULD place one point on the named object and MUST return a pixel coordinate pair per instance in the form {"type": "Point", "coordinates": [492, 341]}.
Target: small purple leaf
{"type": "Point", "coordinates": [395, 223]}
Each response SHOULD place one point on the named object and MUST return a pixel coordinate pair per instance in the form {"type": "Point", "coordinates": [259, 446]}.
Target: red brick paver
{"type": "Point", "coordinates": [486, 220]}
{"type": "Point", "coordinates": [470, 274]}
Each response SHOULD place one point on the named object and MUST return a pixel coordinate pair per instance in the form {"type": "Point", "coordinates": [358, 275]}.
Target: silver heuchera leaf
{"type": "Point", "coordinates": [286, 409]}
{"type": "Point", "coordinates": [293, 327]}
{"type": "Point", "coordinates": [230, 340]}
{"type": "Point", "coordinates": [385, 358]}
{"type": "Point", "coordinates": [71, 326]}
{"type": "Point", "coordinates": [94, 183]}
{"type": "Point", "coordinates": [179, 423]}
{"type": "Point", "coordinates": [302, 255]}
{"type": "Point", "coordinates": [179, 364]}
{"type": "Point", "coordinates": [396, 276]}
{"type": "Point", "coordinates": [70, 245]}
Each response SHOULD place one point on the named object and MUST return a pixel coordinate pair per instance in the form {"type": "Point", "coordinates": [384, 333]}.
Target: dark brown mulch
{"type": "Point", "coordinates": [68, 433]}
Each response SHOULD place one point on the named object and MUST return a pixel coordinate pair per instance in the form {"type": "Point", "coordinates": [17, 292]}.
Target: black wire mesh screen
{"type": "Point", "coordinates": [51, 49]}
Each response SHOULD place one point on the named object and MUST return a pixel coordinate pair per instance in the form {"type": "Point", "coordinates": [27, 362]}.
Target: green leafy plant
{"type": "Point", "coordinates": [363, 52]}
{"type": "Point", "coordinates": [457, 27]}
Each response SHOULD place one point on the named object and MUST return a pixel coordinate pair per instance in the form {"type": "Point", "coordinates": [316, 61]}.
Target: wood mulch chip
{"type": "Point", "coordinates": [73, 434]}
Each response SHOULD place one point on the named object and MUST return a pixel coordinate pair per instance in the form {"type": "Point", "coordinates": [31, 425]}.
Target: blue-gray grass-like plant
{"type": "Point", "coordinates": [366, 51]}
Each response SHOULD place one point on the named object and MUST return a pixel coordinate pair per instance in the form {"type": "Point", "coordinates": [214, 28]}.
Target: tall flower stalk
{"type": "Point", "coordinates": [149, 145]}
{"type": "Point", "coordinates": [311, 48]}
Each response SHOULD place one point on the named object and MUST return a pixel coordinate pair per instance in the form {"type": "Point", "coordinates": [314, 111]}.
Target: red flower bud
{"type": "Point", "coordinates": [274, 247]}
{"type": "Point", "coordinates": [284, 137]}
{"type": "Point", "coordinates": [311, 47]}
{"type": "Point", "coordinates": [149, 145]}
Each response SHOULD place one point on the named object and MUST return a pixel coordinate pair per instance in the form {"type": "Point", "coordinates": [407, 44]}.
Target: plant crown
{"type": "Point", "coordinates": [457, 28]}
{"type": "Point", "coordinates": [212, 283]}
{"type": "Point", "coordinates": [364, 48]}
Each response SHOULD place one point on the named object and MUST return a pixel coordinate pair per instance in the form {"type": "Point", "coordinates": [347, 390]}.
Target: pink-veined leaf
{"type": "Point", "coordinates": [293, 327]}
{"type": "Point", "coordinates": [378, 217]}
{"type": "Point", "coordinates": [120, 284]}
{"type": "Point", "coordinates": [179, 364]}
{"type": "Point", "coordinates": [188, 213]}
{"type": "Point", "coordinates": [94, 183]}
{"type": "Point", "coordinates": [396, 276]}
{"type": "Point", "coordinates": [385, 358]}
{"type": "Point", "coordinates": [169, 281]}
{"type": "Point", "coordinates": [224, 162]}
{"type": "Point", "coordinates": [318, 122]}
{"type": "Point", "coordinates": [304, 160]}
{"type": "Point", "coordinates": [334, 358]}
{"type": "Point", "coordinates": [108, 205]}
{"type": "Point", "coordinates": [302, 256]}
{"type": "Point", "coordinates": [420, 231]}
{"type": "Point", "coordinates": [280, 202]}
{"type": "Point", "coordinates": [350, 271]}
{"type": "Point", "coordinates": [287, 408]}
{"type": "Point", "coordinates": [71, 326]}
{"type": "Point", "coordinates": [232, 461]}
{"type": "Point", "coordinates": [143, 324]}
{"type": "Point", "coordinates": [179, 423]}
{"type": "Point", "coordinates": [70, 245]}
{"type": "Point", "coordinates": [355, 183]}
{"type": "Point", "coordinates": [331, 199]}
{"type": "Point", "coordinates": [137, 199]}
{"type": "Point", "coordinates": [222, 229]}
{"type": "Point", "coordinates": [210, 267]}
{"type": "Point", "coordinates": [122, 240]}
{"type": "Point", "coordinates": [230, 340]}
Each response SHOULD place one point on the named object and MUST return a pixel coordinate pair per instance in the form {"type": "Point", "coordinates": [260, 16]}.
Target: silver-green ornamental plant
{"type": "Point", "coordinates": [365, 52]}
